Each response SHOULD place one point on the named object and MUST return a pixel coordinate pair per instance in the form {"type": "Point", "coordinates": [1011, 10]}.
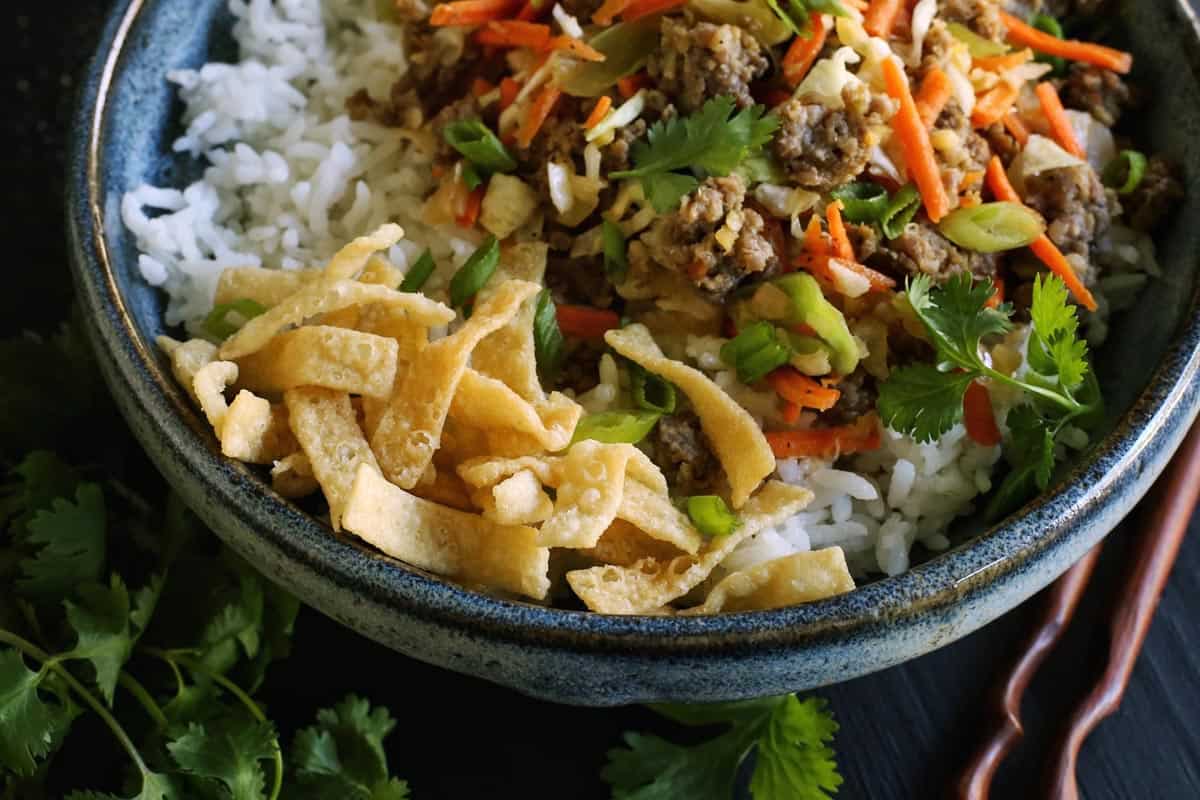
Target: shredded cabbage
{"type": "Point", "coordinates": [922, 18]}
{"type": "Point", "coordinates": [559, 180]}
{"type": "Point", "coordinates": [1095, 139]}
{"type": "Point", "coordinates": [1040, 155]}
{"type": "Point", "coordinates": [627, 113]}
{"type": "Point", "coordinates": [873, 50]}
{"type": "Point", "coordinates": [827, 79]}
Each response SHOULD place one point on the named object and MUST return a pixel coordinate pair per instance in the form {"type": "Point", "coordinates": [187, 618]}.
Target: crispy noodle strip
{"type": "Point", "coordinates": [516, 500]}
{"type": "Point", "coordinates": [320, 355]}
{"type": "Point", "coordinates": [508, 354]}
{"type": "Point", "coordinates": [624, 545]}
{"type": "Point", "coordinates": [591, 484]}
{"type": "Point", "coordinates": [255, 431]}
{"type": "Point", "coordinates": [292, 477]}
{"type": "Point", "coordinates": [267, 287]}
{"type": "Point", "coordinates": [650, 584]}
{"type": "Point", "coordinates": [353, 258]}
{"type": "Point", "coordinates": [209, 385]}
{"type": "Point", "coordinates": [490, 405]}
{"type": "Point", "coordinates": [445, 541]}
{"type": "Point", "coordinates": [188, 358]}
{"type": "Point", "coordinates": [655, 515]}
{"type": "Point", "coordinates": [486, 471]}
{"type": "Point", "coordinates": [326, 426]}
{"type": "Point", "coordinates": [738, 441]}
{"type": "Point", "coordinates": [410, 430]}
{"type": "Point", "coordinates": [788, 581]}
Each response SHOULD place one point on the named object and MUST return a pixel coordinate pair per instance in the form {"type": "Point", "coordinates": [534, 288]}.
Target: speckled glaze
{"type": "Point", "coordinates": [1149, 372]}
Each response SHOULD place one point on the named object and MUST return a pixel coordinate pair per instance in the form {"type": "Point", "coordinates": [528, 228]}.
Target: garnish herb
{"type": "Point", "coordinates": [482, 148]}
{"type": "Point", "coordinates": [714, 140]}
{"type": "Point", "coordinates": [218, 323]}
{"type": "Point", "coordinates": [474, 274]}
{"type": "Point", "coordinates": [790, 737]}
{"type": "Point", "coordinates": [548, 344]}
{"type": "Point", "coordinates": [1125, 172]}
{"type": "Point", "coordinates": [757, 350]}
{"type": "Point", "coordinates": [616, 260]}
{"type": "Point", "coordinates": [418, 274]}
{"type": "Point", "coordinates": [651, 392]}
{"type": "Point", "coordinates": [710, 515]}
{"type": "Point", "coordinates": [862, 201]}
{"type": "Point", "coordinates": [616, 427]}
{"type": "Point", "coordinates": [992, 227]}
{"type": "Point", "coordinates": [926, 400]}
{"type": "Point", "coordinates": [900, 211]}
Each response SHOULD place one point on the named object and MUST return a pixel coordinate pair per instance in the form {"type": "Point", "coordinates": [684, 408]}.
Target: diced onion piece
{"type": "Point", "coordinates": [828, 77]}
{"type": "Point", "coordinates": [630, 110]}
{"type": "Point", "coordinates": [558, 178]}
{"type": "Point", "coordinates": [993, 227]}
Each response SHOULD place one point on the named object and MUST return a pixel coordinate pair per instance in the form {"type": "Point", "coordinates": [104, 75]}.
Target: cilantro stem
{"type": "Point", "coordinates": [1062, 400]}
{"type": "Point", "coordinates": [199, 667]}
{"type": "Point", "coordinates": [135, 688]}
{"type": "Point", "coordinates": [50, 662]}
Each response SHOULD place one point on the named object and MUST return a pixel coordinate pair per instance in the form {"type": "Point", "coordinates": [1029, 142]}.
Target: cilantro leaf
{"type": "Point", "coordinates": [342, 756]}
{"type": "Point", "coordinates": [41, 477]}
{"type": "Point", "coordinates": [1055, 349]}
{"type": "Point", "coordinates": [654, 769]}
{"type": "Point", "coordinates": [107, 626]}
{"type": "Point", "coordinates": [794, 757]}
{"type": "Point", "coordinates": [923, 401]}
{"type": "Point", "coordinates": [709, 140]}
{"type": "Point", "coordinates": [956, 317]}
{"type": "Point", "coordinates": [155, 786]}
{"type": "Point", "coordinates": [228, 751]}
{"type": "Point", "coordinates": [72, 539]}
{"type": "Point", "coordinates": [30, 727]}
{"type": "Point", "coordinates": [1030, 452]}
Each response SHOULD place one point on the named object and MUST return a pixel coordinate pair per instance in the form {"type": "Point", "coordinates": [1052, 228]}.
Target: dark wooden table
{"type": "Point", "coordinates": [904, 731]}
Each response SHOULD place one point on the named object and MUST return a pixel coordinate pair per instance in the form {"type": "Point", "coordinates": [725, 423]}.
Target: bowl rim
{"type": "Point", "coordinates": [1060, 516]}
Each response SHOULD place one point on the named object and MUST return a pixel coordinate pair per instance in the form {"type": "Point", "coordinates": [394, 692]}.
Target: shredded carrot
{"type": "Point", "coordinates": [576, 47]}
{"type": "Point", "coordinates": [842, 248]}
{"type": "Point", "coordinates": [584, 322]}
{"type": "Point", "coordinates": [995, 104]}
{"type": "Point", "coordinates": [862, 435]}
{"type": "Point", "coordinates": [1043, 247]}
{"type": "Point", "coordinates": [973, 177]}
{"type": "Point", "coordinates": [644, 8]}
{"type": "Point", "coordinates": [696, 270]}
{"type": "Point", "coordinates": [480, 87]}
{"type": "Point", "coordinates": [543, 104]}
{"type": "Point", "coordinates": [470, 212]}
{"type": "Point", "coordinates": [1060, 123]}
{"type": "Point", "coordinates": [881, 17]}
{"type": "Point", "coordinates": [860, 5]}
{"type": "Point", "coordinates": [437, 170]}
{"type": "Point", "coordinates": [514, 33]}
{"type": "Point", "coordinates": [933, 95]}
{"type": "Point", "coordinates": [969, 201]}
{"type": "Point", "coordinates": [472, 12]}
{"type": "Point", "coordinates": [533, 10]}
{"type": "Point", "coordinates": [879, 282]}
{"type": "Point", "coordinates": [599, 112]}
{"type": "Point", "coordinates": [914, 141]}
{"type": "Point", "coordinates": [1005, 62]}
{"type": "Point", "coordinates": [608, 11]}
{"type": "Point", "coordinates": [796, 387]}
{"type": "Point", "coordinates": [804, 50]}
{"type": "Point", "coordinates": [509, 89]}
{"type": "Point", "coordinates": [630, 84]}
{"type": "Point", "coordinates": [790, 412]}
{"type": "Point", "coordinates": [817, 254]}
{"type": "Point", "coordinates": [814, 242]}
{"type": "Point", "coordinates": [978, 417]}
{"type": "Point", "coordinates": [1016, 128]}
{"type": "Point", "coordinates": [1024, 34]}
{"type": "Point", "coordinates": [997, 294]}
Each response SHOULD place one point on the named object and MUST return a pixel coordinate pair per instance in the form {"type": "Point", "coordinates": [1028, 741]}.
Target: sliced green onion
{"type": "Point", "coordinates": [476, 142]}
{"type": "Point", "coordinates": [862, 201]}
{"type": "Point", "coordinates": [1048, 24]}
{"type": "Point", "coordinates": [470, 176]}
{"type": "Point", "coordinates": [756, 351]}
{"type": "Point", "coordinates": [218, 324]}
{"type": "Point", "coordinates": [472, 275]}
{"type": "Point", "coordinates": [809, 307]}
{"type": "Point", "coordinates": [549, 347]}
{"type": "Point", "coordinates": [710, 515]}
{"type": "Point", "coordinates": [1125, 172]}
{"type": "Point", "coordinates": [626, 47]}
{"type": "Point", "coordinates": [616, 427]}
{"type": "Point", "coordinates": [977, 46]}
{"type": "Point", "coordinates": [900, 211]}
{"type": "Point", "coordinates": [616, 261]}
{"type": "Point", "coordinates": [993, 227]}
{"type": "Point", "coordinates": [651, 392]}
{"type": "Point", "coordinates": [418, 273]}
{"type": "Point", "coordinates": [831, 7]}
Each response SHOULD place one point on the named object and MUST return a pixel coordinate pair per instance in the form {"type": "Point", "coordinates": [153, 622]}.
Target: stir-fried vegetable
{"type": "Point", "coordinates": [473, 274]}
{"type": "Point", "coordinates": [809, 307]}
{"type": "Point", "coordinates": [802, 390]}
{"type": "Point", "coordinates": [1060, 123]}
{"type": "Point", "coordinates": [583, 322]}
{"type": "Point", "coordinates": [861, 436]}
{"type": "Point", "coordinates": [710, 515]}
{"type": "Point", "coordinates": [616, 427]}
{"type": "Point", "coordinates": [1049, 24]}
{"type": "Point", "coordinates": [993, 227]}
{"type": "Point", "coordinates": [756, 351]}
{"type": "Point", "coordinates": [803, 51]}
{"type": "Point", "coordinates": [651, 392]}
{"type": "Point", "coordinates": [1028, 36]}
{"type": "Point", "coordinates": [900, 211]}
{"type": "Point", "coordinates": [1125, 172]}
{"type": "Point", "coordinates": [914, 140]}
{"type": "Point", "coordinates": [862, 201]}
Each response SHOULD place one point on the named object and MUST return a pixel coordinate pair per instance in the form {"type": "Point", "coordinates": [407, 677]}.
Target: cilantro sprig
{"type": "Point", "coordinates": [791, 738]}
{"type": "Point", "coordinates": [926, 400]}
{"type": "Point", "coordinates": [712, 141]}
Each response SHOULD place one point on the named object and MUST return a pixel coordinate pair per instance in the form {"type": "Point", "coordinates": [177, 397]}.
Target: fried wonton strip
{"type": "Point", "coordinates": [624, 545]}
{"type": "Point", "coordinates": [380, 270]}
{"type": "Point", "coordinates": [656, 516]}
{"type": "Point", "coordinates": [446, 488]}
{"type": "Point", "coordinates": [292, 477]}
{"type": "Point", "coordinates": [320, 355]}
{"type": "Point", "coordinates": [208, 387]}
{"type": "Point", "coordinates": [453, 543]}
{"type": "Point", "coordinates": [517, 500]}
{"type": "Point", "coordinates": [788, 581]}
{"type": "Point", "coordinates": [489, 404]}
{"type": "Point", "coordinates": [326, 426]}
{"type": "Point", "coordinates": [739, 442]}
{"type": "Point", "coordinates": [650, 584]}
{"type": "Point", "coordinates": [591, 484]}
{"type": "Point", "coordinates": [486, 472]}
{"type": "Point", "coordinates": [352, 259]}
{"type": "Point", "coordinates": [411, 429]}
{"type": "Point", "coordinates": [267, 287]}
{"type": "Point", "coordinates": [255, 431]}
{"type": "Point", "coordinates": [508, 354]}
{"type": "Point", "coordinates": [188, 358]}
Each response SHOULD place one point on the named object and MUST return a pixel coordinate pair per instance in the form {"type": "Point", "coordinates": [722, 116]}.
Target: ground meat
{"type": "Point", "coordinates": [582, 10]}
{"type": "Point", "coordinates": [683, 452]}
{"type": "Point", "coordinates": [578, 281]}
{"type": "Point", "coordinates": [919, 249]}
{"type": "Point", "coordinates": [699, 60]}
{"type": "Point", "coordinates": [1075, 204]}
{"type": "Point", "coordinates": [686, 240]}
{"type": "Point", "coordinates": [1001, 142]}
{"type": "Point", "coordinates": [981, 16]}
{"type": "Point", "coordinates": [581, 365]}
{"type": "Point", "coordinates": [858, 396]}
{"type": "Point", "coordinates": [464, 108]}
{"type": "Point", "coordinates": [440, 68]}
{"type": "Point", "coordinates": [936, 49]}
{"type": "Point", "coordinates": [1072, 8]}
{"type": "Point", "coordinates": [961, 151]}
{"type": "Point", "coordinates": [821, 148]}
{"type": "Point", "coordinates": [1151, 202]}
{"type": "Point", "coordinates": [1100, 92]}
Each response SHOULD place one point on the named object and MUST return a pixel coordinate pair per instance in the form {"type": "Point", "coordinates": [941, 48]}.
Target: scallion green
{"type": "Point", "coordinates": [616, 427]}
{"type": "Point", "coordinates": [418, 273]}
{"type": "Point", "coordinates": [710, 515]}
{"type": "Point", "coordinates": [756, 351]}
{"type": "Point", "coordinates": [862, 201]}
{"type": "Point", "coordinates": [1125, 172]}
{"type": "Point", "coordinates": [900, 211]}
{"type": "Point", "coordinates": [476, 142]}
{"type": "Point", "coordinates": [548, 343]}
{"type": "Point", "coordinates": [218, 324]}
{"type": "Point", "coordinates": [472, 275]}
{"type": "Point", "coordinates": [992, 227]}
{"type": "Point", "coordinates": [651, 392]}
{"type": "Point", "coordinates": [616, 260]}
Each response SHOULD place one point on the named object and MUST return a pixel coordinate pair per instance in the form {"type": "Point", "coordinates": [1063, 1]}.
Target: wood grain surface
{"type": "Point", "coordinates": [904, 732]}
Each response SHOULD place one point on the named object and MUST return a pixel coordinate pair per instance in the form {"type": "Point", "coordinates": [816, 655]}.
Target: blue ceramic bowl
{"type": "Point", "coordinates": [1149, 372]}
